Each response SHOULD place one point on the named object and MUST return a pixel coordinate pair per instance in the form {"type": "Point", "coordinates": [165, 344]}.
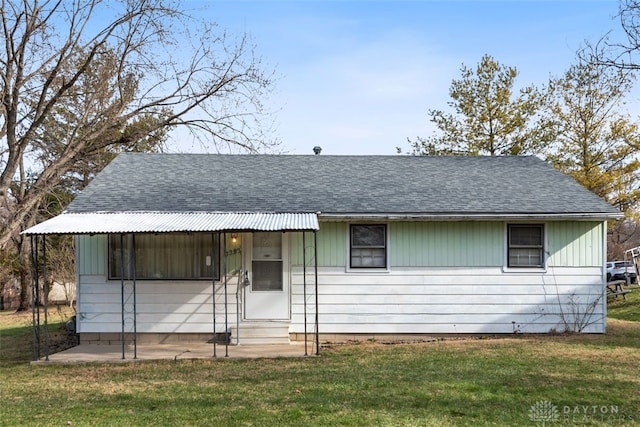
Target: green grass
{"type": "Point", "coordinates": [16, 334]}
{"type": "Point", "coordinates": [627, 308]}
{"type": "Point", "coordinates": [470, 382]}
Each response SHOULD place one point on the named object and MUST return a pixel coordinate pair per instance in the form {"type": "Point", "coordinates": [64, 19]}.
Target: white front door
{"type": "Point", "coordinates": [267, 295]}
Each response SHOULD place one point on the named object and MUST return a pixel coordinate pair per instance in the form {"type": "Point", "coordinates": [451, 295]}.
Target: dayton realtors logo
{"type": "Point", "coordinates": [545, 412]}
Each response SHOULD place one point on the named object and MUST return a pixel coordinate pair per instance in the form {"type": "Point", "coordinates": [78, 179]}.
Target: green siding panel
{"type": "Point", "coordinates": [446, 244]}
{"type": "Point", "coordinates": [296, 249]}
{"type": "Point", "coordinates": [414, 244]}
{"type": "Point", "coordinates": [457, 244]}
{"type": "Point", "coordinates": [234, 255]}
{"type": "Point", "coordinates": [575, 244]}
{"type": "Point", "coordinates": [332, 246]}
{"type": "Point", "coordinates": [92, 255]}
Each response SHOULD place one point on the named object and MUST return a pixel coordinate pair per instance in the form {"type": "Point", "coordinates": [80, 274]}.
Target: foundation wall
{"type": "Point", "coordinates": [142, 338]}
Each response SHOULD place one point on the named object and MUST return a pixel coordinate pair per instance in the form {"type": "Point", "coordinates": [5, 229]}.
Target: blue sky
{"type": "Point", "coordinates": [358, 77]}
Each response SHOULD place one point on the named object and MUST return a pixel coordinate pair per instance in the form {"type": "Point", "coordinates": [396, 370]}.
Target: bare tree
{"type": "Point", "coordinates": [623, 235]}
{"type": "Point", "coordinates": [619, 53]}
{"type": "Point", "coordinates": [81, 80]}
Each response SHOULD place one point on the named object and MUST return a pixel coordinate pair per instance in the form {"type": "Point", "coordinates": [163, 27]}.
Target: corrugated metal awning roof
{"type": "Point", "coordinates": [167, 222]}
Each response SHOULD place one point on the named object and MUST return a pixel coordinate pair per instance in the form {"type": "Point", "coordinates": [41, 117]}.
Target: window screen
{"type": "Point", "coordinates": [525, 245]}
{"type": "Point", "coordinates": [368, 246]}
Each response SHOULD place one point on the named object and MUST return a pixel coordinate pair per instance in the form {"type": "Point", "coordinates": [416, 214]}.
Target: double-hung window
{"type": "Point", "coordinates": [170, 256]}
{"type": "Point", "coordinates": [368, 246]}
{"type": "Point", "coordinates": [525, 245]}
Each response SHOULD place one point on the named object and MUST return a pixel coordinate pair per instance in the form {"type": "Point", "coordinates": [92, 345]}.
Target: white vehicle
{"type": "Point", "coordinates": [620, 270]}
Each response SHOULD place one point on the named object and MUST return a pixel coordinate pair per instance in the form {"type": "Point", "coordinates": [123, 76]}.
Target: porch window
{"type": "Point", "coordinates": [525, 245]}
{"type": "Point", "coordinates": [172, 256]}
{"type": "Point", "coordinates": [368, 246]}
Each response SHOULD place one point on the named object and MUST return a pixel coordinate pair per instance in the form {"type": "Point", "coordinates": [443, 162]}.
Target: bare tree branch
{"type": "Point", "coordinates": [82, 80]}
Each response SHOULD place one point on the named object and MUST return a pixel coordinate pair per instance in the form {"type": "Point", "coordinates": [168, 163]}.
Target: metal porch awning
{"type": "Point", "coordinates": [168, 222]}
{"type": "Point", "coordinates": [89, 223]}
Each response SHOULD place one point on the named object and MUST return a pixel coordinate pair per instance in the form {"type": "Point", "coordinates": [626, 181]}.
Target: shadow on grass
{"type": "Point", "coordinates": [17, 336]}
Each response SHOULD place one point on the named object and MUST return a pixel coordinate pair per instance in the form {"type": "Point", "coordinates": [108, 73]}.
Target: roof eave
{"type": "Point", "coordinates": [574, 216]}
{"type": "Point", "coordinates": [76, 223]}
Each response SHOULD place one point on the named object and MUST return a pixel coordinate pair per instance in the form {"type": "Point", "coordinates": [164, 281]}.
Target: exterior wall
{"type": "Point", "coordinates": [576, 244]}
{"type": "Point", "coordinates": [443, 277]}
{"type": "Point", "coordinates": [450, 277]}
{"type": "Point", "coordinates": [457, 244]}
{"type": "Point", "coordinates": [162, 306]}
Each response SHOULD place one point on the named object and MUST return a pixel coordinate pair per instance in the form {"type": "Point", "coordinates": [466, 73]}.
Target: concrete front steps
{"type": "Point", "coordinates": [261, 333]}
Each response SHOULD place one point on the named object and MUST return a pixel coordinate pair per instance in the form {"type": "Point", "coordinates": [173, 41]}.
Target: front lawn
{"type": "Point", "coordinates": [627, 308]}
{"type": "Point", "coordinates": [515, 380]}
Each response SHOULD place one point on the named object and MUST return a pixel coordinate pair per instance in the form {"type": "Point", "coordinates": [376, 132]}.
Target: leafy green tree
{"type": "Point", "coordinates": [488, 118]}
{"type": "Point", "coordinates": [596, 143]}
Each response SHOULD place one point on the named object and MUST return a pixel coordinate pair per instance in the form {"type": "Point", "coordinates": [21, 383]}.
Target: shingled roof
{"type": "Point", "coordinates": [421, 186]}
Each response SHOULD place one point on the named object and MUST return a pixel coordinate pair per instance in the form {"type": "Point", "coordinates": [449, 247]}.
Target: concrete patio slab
{"type": "Point", "coordinates": [100, 353]}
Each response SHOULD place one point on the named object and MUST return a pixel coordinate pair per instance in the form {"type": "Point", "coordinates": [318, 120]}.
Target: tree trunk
{"type": "Point", "coordinates": [25, 279]}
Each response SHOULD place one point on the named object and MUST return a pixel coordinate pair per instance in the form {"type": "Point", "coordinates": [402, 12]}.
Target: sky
{"type": "Point", "coordinates": [359, 77]}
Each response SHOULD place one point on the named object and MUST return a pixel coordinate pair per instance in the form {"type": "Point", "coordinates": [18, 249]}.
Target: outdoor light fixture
{"type": "Point", "coordinates": [234, 238]}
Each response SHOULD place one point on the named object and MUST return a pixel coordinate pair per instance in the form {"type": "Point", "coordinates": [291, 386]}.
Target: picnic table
{"type": "Point", "coordinates": [614, 288]}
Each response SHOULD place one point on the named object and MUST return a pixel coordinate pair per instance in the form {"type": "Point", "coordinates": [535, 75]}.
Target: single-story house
{"type": "Point", "coordinates": [275, 247]}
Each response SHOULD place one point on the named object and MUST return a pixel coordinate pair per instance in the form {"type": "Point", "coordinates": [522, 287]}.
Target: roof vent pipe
{"type": "Point", "coordinates": [317, 149]}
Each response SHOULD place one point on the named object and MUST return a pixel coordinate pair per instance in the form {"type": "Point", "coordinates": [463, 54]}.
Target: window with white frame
{"type": "Point", "coordinates": [170, 256]}
{"type": "Point", "coordinates": [368, 246]}
{"type": "Point", "coordinates": [525, 245]}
